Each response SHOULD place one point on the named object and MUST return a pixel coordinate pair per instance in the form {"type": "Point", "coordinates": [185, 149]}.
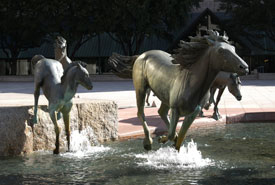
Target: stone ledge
{"type": "Point", "coordinates": [251, 117]}
{"type": "Point", "coordinates": [19, 136]}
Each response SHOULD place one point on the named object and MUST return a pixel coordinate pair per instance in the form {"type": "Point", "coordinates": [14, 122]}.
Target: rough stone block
{"type": "Point", "coordinates": [19, 136]}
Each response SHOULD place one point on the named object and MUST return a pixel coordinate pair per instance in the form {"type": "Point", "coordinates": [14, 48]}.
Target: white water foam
{"type": "Point", "coordinates": [81, 145]}
{"type": "Point", "coordinates": [167, 157]}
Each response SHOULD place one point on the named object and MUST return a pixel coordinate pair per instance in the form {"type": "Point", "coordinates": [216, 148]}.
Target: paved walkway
{"type": "Point", "coordinates": [258, 104]}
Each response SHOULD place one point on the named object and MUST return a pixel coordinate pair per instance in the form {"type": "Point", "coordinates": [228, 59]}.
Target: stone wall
{"type": "Point", "coordinates": [18, 135]}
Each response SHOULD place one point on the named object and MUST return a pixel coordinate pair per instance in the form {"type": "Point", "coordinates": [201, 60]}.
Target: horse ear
{"type": "Point", "coordinates": [78, 65]}
{"type": "Point", "coordinates": [210, 42]}
{"type": "Point", "coordinates": [239, 80]}
{"type": "Point", "coordinates": [233, 75]}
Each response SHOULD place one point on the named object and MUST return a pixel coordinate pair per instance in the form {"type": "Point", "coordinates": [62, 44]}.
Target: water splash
{"type": "Point", "coordinates": [84, 143]}
{"type": "Point", "coordinates": [167, 157]}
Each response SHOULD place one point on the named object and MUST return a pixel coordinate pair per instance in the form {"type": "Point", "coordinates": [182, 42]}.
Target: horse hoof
{"type": "Point", "coordinates": [147, 147]}
{"type": "Point", "coordinates": [206, 107]}
{"type": "Point", "coordinates": [201, 115]}
{"type": "Point", "coordinates": [216, 117]}
{"type": "Point", "coordinates": [163, 139]}
{"type": "Point", "coordinates": [147, 144]}
{"type": "Point", "coordinates": [56, 151]}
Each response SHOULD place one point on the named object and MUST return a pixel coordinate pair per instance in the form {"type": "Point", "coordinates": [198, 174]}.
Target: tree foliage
{"type": "Point", "coordinates": [251, 16]}
{"type": "Point", "coordinates": [25, 23]}
{"type": "Point", "coordinates": [71, 19]}
{"type": "Point", "coordinates": [18, 28]}
{"type": "Point", "coordinates": [129, 22]}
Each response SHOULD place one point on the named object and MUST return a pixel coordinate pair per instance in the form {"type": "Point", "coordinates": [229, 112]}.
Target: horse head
{"type": "Point", "coordinates": [82, 76]}
{"type": "Point", "coordinates": [234, 86]}
{"type": "Point", "coordinates": [224, 56]}
{"type": "Point", "coordinates": [60, 47]}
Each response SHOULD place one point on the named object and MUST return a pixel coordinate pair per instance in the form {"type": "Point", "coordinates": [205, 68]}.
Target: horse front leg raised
{"type": "Point", "coordinates": [66, 117]}
{"type": "Point", "coordinates": [188, 120]}
{"type": "Point", "coordinates": [53, 116]}
{"type": "Point", "coordinates": [216, 114]}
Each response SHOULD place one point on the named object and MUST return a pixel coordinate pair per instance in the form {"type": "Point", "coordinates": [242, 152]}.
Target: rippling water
{"type": "Point", "coordinates": [232, 154]}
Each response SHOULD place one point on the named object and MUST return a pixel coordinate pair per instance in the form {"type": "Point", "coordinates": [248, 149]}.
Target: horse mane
{"type": "Point", "coordinates": [188, 53]}
{"type": "Point", "coordinates": [74, 63]}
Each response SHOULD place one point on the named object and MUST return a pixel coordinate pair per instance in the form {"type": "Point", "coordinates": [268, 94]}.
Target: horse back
{"type": "Point", "coordinates": [48, 69]}
{"type": "Point", "coordinates": [155, 70]}
{"type": "Point", "coordinates": [221, 80]}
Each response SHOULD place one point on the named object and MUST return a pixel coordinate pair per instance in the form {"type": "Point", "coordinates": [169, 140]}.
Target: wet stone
{"type": "Point", "coordinates": [19, 136]}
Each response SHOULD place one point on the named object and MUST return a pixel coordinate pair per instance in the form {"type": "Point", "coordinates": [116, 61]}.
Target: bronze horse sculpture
{"type": "Point", "coordinates": [59, 88]}
{"type": "Point", "coordinates": [223, 80]}
{"type": "Point", "coordinates": [181, 81]}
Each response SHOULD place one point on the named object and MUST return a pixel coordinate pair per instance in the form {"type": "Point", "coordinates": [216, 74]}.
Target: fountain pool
{"type": "Point", "coordinates": [225, 154]}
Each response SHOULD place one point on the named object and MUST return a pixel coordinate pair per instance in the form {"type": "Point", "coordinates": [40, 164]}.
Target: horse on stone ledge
{"type": "Point", "coordinates": [59, 88]}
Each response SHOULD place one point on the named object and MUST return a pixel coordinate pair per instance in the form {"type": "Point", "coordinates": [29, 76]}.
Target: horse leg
{"type": "Point", "coordinates": [204, 100]}
{"type": "Point", "coordinates": [163, 112]}
{"type": "Point", "coordinates": [174, 118]}
{"type": "Point", "coordinates": [140, 96]}
{"type": "Point", "coordinates": [58, 115]}
{"type": "Point", "coordinates": [211, 98]}
{"type": "Point", "coordinates": [53, 116]}
{"type": "Point", "coordinates": [172, 135]}
{"type": "Point", "coordinates": [36, 97]}
{"type": "Point", "coordinates": [201, 114]}
{"type": "Point", "coordinates": [216, 114]}
{"type": "Point", "coordinates": [66, 117]}
{"type": "Point", "coordinates": [148, 92]}
{"type": "Point", "coordinates": [188, 120]}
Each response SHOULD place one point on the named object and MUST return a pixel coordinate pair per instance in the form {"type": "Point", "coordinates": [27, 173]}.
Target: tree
{"type": "Point", "coordinates": [251, 18]}
{"type": "Point", "coordinates": [72, 20]}
{"type": "Point", "coordinates": [130, 22]}
{"type": "Point", "coordinates": [19, 28]}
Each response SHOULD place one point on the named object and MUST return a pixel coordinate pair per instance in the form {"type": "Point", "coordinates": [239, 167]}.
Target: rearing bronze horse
{"type": "Point", "coordinates": [181, 81]}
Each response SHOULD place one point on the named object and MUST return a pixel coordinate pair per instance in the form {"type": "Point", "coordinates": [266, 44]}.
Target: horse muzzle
{"type": "Point", "coordinates": [90, 87]}
{"type": "Point", "coordinates": [243, 70]}
{"type": "Point", "coordinates": [239, 98]}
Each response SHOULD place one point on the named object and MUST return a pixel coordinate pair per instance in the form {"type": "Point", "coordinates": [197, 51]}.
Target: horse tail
{"type": "Point", "coordinates": [36, 58]}
{"type": "Point", "coordinates": [122, 66]}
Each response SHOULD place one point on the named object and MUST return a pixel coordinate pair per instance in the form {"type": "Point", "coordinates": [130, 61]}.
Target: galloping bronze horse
{"type": "Point", "coordinates": [59, 89]}
{"type": "Point", "coordinates": [181, 81]}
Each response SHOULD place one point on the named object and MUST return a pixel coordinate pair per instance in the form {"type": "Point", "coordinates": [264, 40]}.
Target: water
{"type": "Point", "coordinates": [231, 154]}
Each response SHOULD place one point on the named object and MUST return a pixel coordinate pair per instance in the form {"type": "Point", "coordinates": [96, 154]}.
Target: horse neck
{"type": "Point", "coordinates": [59, 54]}
{"type": "Point", "coordinates": [204, 75]}
{"type": "Point", "coordinates": [70, 84]}
{"type": "Point", "coordinates": [223, 78]}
